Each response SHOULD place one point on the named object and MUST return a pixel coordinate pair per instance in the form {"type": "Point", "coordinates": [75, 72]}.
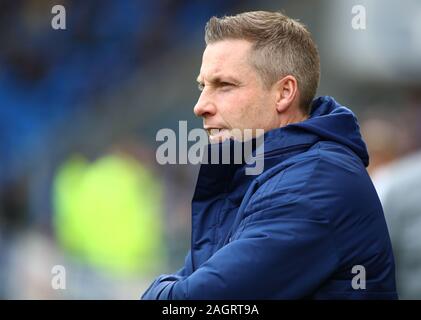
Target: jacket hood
{"type": "Point", "coordinates": [328, 121]}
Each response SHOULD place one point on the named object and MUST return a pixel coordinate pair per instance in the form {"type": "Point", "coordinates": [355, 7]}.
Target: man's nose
{"type": "Point", "coordinates": [204, 106]}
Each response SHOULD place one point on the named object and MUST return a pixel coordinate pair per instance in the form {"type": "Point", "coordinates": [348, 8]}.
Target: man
{"type": "Point", "coordinates": [310, 225]}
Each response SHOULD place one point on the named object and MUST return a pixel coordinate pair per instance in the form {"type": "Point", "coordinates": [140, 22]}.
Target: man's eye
{"type": "Point", "coordinates": [225, 85]}
{"type": "Point", "coordinates": [200, 86]}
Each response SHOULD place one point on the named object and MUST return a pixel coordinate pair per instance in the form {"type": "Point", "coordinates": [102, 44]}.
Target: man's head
{"type": "Point", "coordinates": [260, 70]}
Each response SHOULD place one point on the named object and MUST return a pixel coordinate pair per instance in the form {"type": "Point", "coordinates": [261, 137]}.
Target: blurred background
{"type": "Point", "coordinates": [80, 108]}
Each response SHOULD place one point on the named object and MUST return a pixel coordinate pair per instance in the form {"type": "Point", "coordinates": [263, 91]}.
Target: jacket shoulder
{"type": "Point", "coordinates": [327, 171]}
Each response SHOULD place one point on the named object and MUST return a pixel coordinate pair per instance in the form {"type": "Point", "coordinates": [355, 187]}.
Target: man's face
{"type": "Point", "coordinates": [233, 94]}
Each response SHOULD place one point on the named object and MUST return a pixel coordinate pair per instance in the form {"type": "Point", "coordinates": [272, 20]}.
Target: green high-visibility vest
{"type": "Point", "coordinates": [108, 213]}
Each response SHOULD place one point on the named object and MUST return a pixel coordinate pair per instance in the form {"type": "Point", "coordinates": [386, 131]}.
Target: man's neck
{"type": "Point", "coordinates": [292, 118]}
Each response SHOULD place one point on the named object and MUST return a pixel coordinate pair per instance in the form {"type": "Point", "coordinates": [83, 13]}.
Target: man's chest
{"type": "Point", "coordinates": [212, 222]}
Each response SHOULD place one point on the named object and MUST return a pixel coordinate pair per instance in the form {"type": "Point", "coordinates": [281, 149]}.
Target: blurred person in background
{"type": "Point", "coordinates": [402, 207]}
{"type": "Point", "coordinates": [396, 171]}
{"type": "Point", "coordinates": [109, 213]}
{"type": "Point", "coordinates": [298, 229]}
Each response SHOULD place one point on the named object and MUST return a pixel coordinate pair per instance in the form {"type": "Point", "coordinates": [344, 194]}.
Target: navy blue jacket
{"type": "Point", "coordinates": [294, 231]}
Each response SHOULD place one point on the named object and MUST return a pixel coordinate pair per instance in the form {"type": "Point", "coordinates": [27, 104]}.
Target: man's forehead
{"type": "Point", "coordinates": [224, 58]}
{"type": "Point", "coordinates": [215, 74]}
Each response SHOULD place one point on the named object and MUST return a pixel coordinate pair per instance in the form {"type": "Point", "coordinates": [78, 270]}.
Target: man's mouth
{"type": "Point", "coordinates": [218, 134]}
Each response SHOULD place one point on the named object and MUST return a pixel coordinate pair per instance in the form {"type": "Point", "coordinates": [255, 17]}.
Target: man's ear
{"type": "Point", "coordinates": [286, 92]}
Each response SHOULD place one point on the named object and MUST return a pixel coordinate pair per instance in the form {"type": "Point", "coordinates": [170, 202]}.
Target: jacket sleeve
{"type": "Point", "coordinates": [159, 283]}
{"type": "Point", "coordinates": [271, 256]}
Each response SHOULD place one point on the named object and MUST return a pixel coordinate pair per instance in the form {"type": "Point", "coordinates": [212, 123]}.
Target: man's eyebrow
{"type": "Point", "coordinates": [219, 79]}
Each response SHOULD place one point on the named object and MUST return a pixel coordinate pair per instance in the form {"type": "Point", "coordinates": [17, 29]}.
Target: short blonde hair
{"type": "Point", "coordinates": [281, 46]}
